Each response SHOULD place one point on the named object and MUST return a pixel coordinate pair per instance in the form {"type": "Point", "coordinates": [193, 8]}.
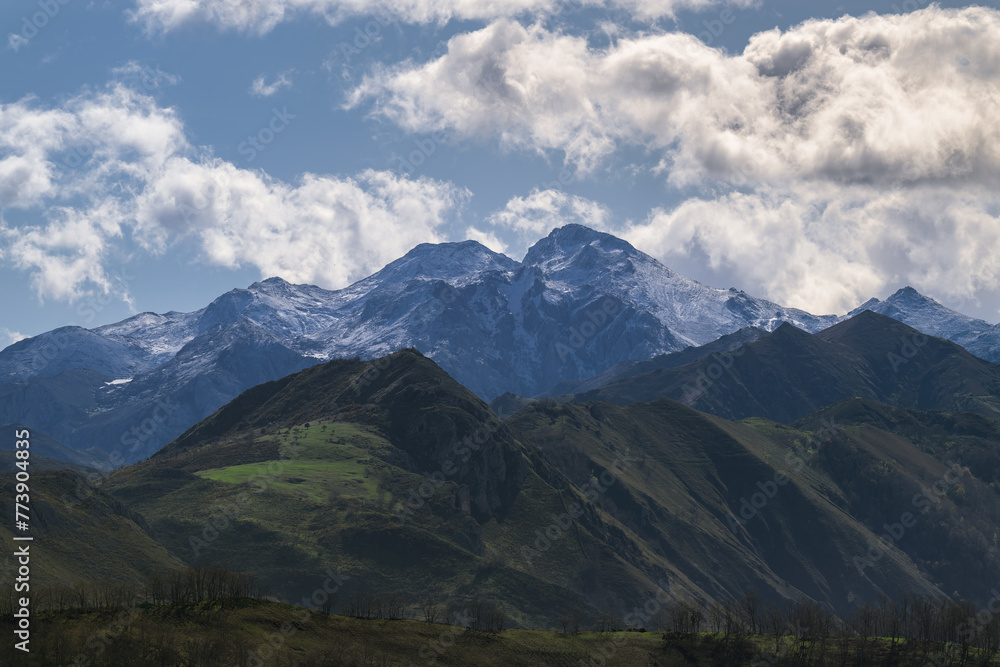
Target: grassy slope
{"type": "Point", "coordinates": [679, 497]}
{"type": "Point", "coordinates": [207, 635]}
{"type": "Point", "coordinates": [82, 534]}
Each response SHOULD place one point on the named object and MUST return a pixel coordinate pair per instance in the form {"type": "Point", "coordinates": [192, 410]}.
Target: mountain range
{"type": "Point", "coordinates": [580, 304]}
{"type": "Point", "coordinates": [748, 448]}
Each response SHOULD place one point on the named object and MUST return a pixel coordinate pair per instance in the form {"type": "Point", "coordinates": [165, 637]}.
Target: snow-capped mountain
{"type": "Point", "coordinates": [927, 315]}
{"type": "Point", "coordinates": [580, 302]}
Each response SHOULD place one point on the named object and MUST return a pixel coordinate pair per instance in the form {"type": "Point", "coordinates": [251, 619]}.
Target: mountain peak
{"type": "Point", "coordinates": [909, 294]}
{"type": "Point", "coordinates": [567, 242]}
{"type": "Point", "coordinates": [870, 325]}
{"type": "Point", "coordinates": [786, 331]}
{"type": "Point", "coordinates": [270, 283]}
{"type": "Point", "coordinates": [446, 261]}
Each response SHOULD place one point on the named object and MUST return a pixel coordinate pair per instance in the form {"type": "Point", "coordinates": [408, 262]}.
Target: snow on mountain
{"type": "Point", "coordinates": [579, 303]}
{"type": "Point", "coordinates": [575, 256]}
{"type": "Point", "coordinates": [70, 348]}
{"type": "Point", "coordinates": [927, 315]}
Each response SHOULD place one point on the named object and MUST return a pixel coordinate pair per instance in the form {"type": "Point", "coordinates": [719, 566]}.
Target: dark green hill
{"type": "Point", "coordinates": [628, 369]}
{"type": "Point", "coordinates": [394, 479]}
{"type": "Point", "coordinates": [387, 471]}
{"type": "Point", "coordinates": [790, 373]}
{"type": "Point", "coordinates": [82, 535]}
{"type": "Point", "coordinates": [394, 474]}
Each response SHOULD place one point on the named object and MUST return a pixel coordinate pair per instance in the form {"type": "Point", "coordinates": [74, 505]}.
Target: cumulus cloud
{"type": "Point", "coordinates": [488, 239]}
{"type": "Point", "coordinates": [115, 134]}
{"type": "Point", "coordinates": [835, 159]}
{"type": "Point", "coordinates": [104, 169]}
{"type": "Point", "coordinates": [71, 164]}
{"type": "Point", "coordinates": [876, 98]}
{"type": "Point", "coordinates": [323, 230]}
{"type": "Point", "coordinates": [826, 250]}
{"type": "Point", "coordinates": [261, 16]}
{"type": "Point", "coordinates": [259, 87]}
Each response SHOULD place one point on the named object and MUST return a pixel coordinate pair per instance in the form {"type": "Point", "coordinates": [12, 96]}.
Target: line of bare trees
{"type": "Point", "coordinates": [362, 604]}
{"type": "Point", "coordinates": [956, 626]}
{"type": "Point", "coordinates": [191, 584]}
{"type": "Point", "coordinates": [487, 615]}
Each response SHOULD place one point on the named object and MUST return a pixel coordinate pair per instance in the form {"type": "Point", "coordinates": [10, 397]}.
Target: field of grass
{"type": "Point", "coordinates": [319, 461]}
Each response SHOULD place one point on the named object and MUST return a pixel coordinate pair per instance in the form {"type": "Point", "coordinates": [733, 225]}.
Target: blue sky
{"type": "Point", "coordinates": [154, 155]}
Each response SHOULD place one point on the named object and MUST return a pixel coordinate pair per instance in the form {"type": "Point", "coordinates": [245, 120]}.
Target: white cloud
{"type": "Point", "coordinates": [138, 76]}
{"type": "Point", "coordinates": [12, 336]}
{"type": "Point", "coordinates": [66, 162]}
{"type": "Point", "coordinates": [72, 163]}
{"type": "Point", "coordinates": [828, 249]}
{"type": "Point", "coordinates": [323, 230]}
{"type": "Point", "coordinates": [488, 239]}
{"type": "Point", "coordinates": [104, 171]}
{"type": "Point", "coordinates": [67, 254]}
{"type": "Point", "coordinates": [877, 98]}
{"type": "Point", "coordinates": [261, 89]}
{"type": "Point", "coordinates": [261, 16]}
